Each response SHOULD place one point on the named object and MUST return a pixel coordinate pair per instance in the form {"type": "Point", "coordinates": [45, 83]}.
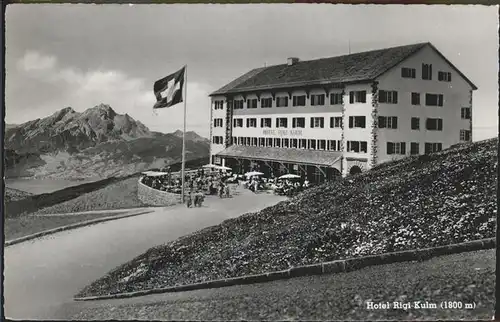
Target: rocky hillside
{"type": "Point", "coordinates": [418, 202]}
{"type": "Point", "coordinates": [95, 143]}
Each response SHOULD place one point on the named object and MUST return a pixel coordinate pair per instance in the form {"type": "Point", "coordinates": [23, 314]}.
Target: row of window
{"type": "Point", "coordinates": [384, 122]}
{"type": "Point", "coordinates": [386, 97]}
{"type": "Point", "coordinates": [335, 145]}
{"type": "Point", "coordinates": [400, 148]}
{"type": "Point", "coordinates": [426, 73]}
{"type": "Point", "coordinates": [308, 144]}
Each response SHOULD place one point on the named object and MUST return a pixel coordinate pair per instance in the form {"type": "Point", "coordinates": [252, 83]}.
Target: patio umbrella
{"type": "Point", "coordinates": [253, 173]}
{"type": "Point", "coordinates": [289, 176]}
{"type": "Point", "coordinates": [223, 168]}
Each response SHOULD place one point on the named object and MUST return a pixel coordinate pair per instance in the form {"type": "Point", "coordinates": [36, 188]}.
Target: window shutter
{"type": "Point", "coordinates": [331, 122]}
{"type": "Point", "coordinates": [351, 122]}
{"type": "Point", "coordinates": [382, 97]}
{"type": "Point", "coordinates": [440, 124]}
{"type": "Point", "coordinates": [312, 122]}
{"type": "Point", "coordinates": [403, 147]}
{"type": "Point", "coordinates": [395, 97]}
{"type": "Point", "coordinates": [430, 71]}
{"type": "Point", "coordinates": [277, 122]}
{"type": "Point", "coordinates": [389, 148]}
{"type": "Point", "coordinates": [394, 122]}
{"type": "Point", "coordinates": [322, 121]}
{"type": "Point", "coordinates": [351, 97]}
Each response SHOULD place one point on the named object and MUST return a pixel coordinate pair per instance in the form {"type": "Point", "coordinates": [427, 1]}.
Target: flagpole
{"type": "Point", "coordinates": [184, 137]}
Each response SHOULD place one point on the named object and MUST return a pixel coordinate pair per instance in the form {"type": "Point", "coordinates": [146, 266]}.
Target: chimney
{"type": "Point", "coordinates": [292, 61]}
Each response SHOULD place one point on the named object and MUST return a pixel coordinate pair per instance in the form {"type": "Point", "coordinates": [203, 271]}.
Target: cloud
{"type": "Point", "coordinates": [124, 93]}
{"type": "Point", "coordinates": [34, 61]}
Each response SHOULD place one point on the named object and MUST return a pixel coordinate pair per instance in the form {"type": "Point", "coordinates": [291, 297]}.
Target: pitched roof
{"type": "Point", "coordinates": [357, 67]}
{"type": "Point", "coordinates": [313, 157]}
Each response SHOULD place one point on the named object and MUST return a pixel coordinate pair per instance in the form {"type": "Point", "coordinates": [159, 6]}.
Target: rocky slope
{"type": "Point", "coordinates": [418, 202]}
{"type": "Point", "coordinates": [95, 143]}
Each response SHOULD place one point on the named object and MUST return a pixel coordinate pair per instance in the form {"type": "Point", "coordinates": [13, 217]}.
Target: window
{"type": "Point", "coordinates": [299, 122]}
{"type": "Point", "coordinates": [219, 105]}
{"type": "Point", "coordinates": [281, 122]}
{"type": "Point", "coordinates": [241, 141]}
{"type": "Point", "coordinates": [286, 143]}
{"type": "Point", "coordinates": [302, 143]}
{"type": "Point", "coordinates": [238, 104]}
{"type": "Point", "coordinates": [217, 139]}
{"type": "Point", "coordinates": [254, 142]}
{"type": "Point", "coordinates": [336, 98]}
{"type": "Point", "coordinates": [465, 113]}
{"type": "Point", "coordinates": [415, 98]}
{"type": "Point", "coordinates": [357, 122]}
{"type": "Point", "coordinates": [266, 103]}
{"type": "Point", "coordinates": [299, 100]}
{"type": "Point", "coordinates": [252, 122]}
{"type": "Point", "coordinates": [356, 146]}
{"type": "Point", "coordinates": [414, 148]}
{"type": "Point", "coordinates": [247, 141]}
{"type": "Point", "coordinates": [277, 143]}
{"type": "Point", "coordinates": [336, 122]}
{"type": "Point", "coordinates": [294, 143]}
{"type": "Point", "coordinates": [408, 72]}
{"type": "Point", "coordinates": [265, 122]}
{"type": "Point", "coordinates": [434, 124]}
{"type": "Point", "coordinates": [434, 99]}
{"type": "Point", "coordinates": [396, 148]}
{"type": "Point", "coordinates": [321, 144]}
{"type": "Point", "coordinates": [357, 97]}
{"type": "Point", "coordinates": [234, 140]}
{"type": "Point", "coordinates": [444, 76]}
{"type": "Point", "coordinates": [333, 145]}
{"type": "Point", "coordinates": [318, 99]}
{"type": "Point", "coordinates": [387, 122]}
{"type": "Point", "coordinates": [465, 135]}
{"type": "Point", "coordinates": [238, 123]}
{"type": "Point", "coordinates": [217, 122]}
{"type": "Point", "coordinates": [311, 144]}
{"type": "Point", "coordinates": [269, 142]}
{"type": "Point", "coordinates": [262, 142]}
{"type": "Point", "coordinates": [317, 122]}
{"type": "Point", "coordinates": [282, 101]}
{"type": "Point", "coordinates": [390, 97]}
{"type": "Point", "coordinates": [415, 123]}
{"type": "Point", "coordinates": [252, 103]}
{"type": "Point", "coordinates": [433, 147]}
{"type": "Point", "coordinates": [427, 71]}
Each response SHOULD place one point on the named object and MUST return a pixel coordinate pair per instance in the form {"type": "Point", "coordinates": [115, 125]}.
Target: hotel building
{"type": "Point", "coordinates": [342, 115]}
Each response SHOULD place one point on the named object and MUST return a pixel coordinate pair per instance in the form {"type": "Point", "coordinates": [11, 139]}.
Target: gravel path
{"type": "Point", "coordinates": [43, 274]}
{"type": "Point", "coordinates": [466, 277]}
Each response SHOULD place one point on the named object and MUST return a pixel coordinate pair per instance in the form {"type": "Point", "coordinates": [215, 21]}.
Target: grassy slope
{"type": "Point", "coordinates": [12, 194]}
{"type": "Point", "coordinates": [117, 195]}
{"type": "Point", "coordinates": [27, 225]}
{"type": "Point", "coordinates": [417, 202]}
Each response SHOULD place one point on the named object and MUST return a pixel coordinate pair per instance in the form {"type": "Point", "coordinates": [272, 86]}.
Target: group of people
{"type": "Point", "coordinates": [290, 188]}
{"type": "Point", "coordinates": [197, 185]}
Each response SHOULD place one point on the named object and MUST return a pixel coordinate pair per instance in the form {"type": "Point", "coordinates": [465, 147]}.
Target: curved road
{"type": "Point", "coordinates": [44, 274]}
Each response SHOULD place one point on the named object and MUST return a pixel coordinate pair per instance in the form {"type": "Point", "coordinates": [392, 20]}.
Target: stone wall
{"type": "Point", "coordinates": [155, 197]}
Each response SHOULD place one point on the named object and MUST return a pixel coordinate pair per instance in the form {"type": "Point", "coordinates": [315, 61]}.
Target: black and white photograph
{"type": "Point", "coordinates": [221, 162]}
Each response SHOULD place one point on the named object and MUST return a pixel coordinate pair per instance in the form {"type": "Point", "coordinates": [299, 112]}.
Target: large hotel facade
{"type": "Point", "coordinates": [342, 115]}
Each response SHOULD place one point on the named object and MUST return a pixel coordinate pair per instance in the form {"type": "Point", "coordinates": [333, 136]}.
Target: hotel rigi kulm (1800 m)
{"type": "Point", "coordinates": [342, 115]}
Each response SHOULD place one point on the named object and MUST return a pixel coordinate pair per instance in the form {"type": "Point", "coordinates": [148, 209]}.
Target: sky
{"type": "Point", "coordinates": [82, 55]}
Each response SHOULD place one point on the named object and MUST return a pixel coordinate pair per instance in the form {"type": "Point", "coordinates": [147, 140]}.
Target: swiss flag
{"type": "Point", "coordinates": [168, 90]}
